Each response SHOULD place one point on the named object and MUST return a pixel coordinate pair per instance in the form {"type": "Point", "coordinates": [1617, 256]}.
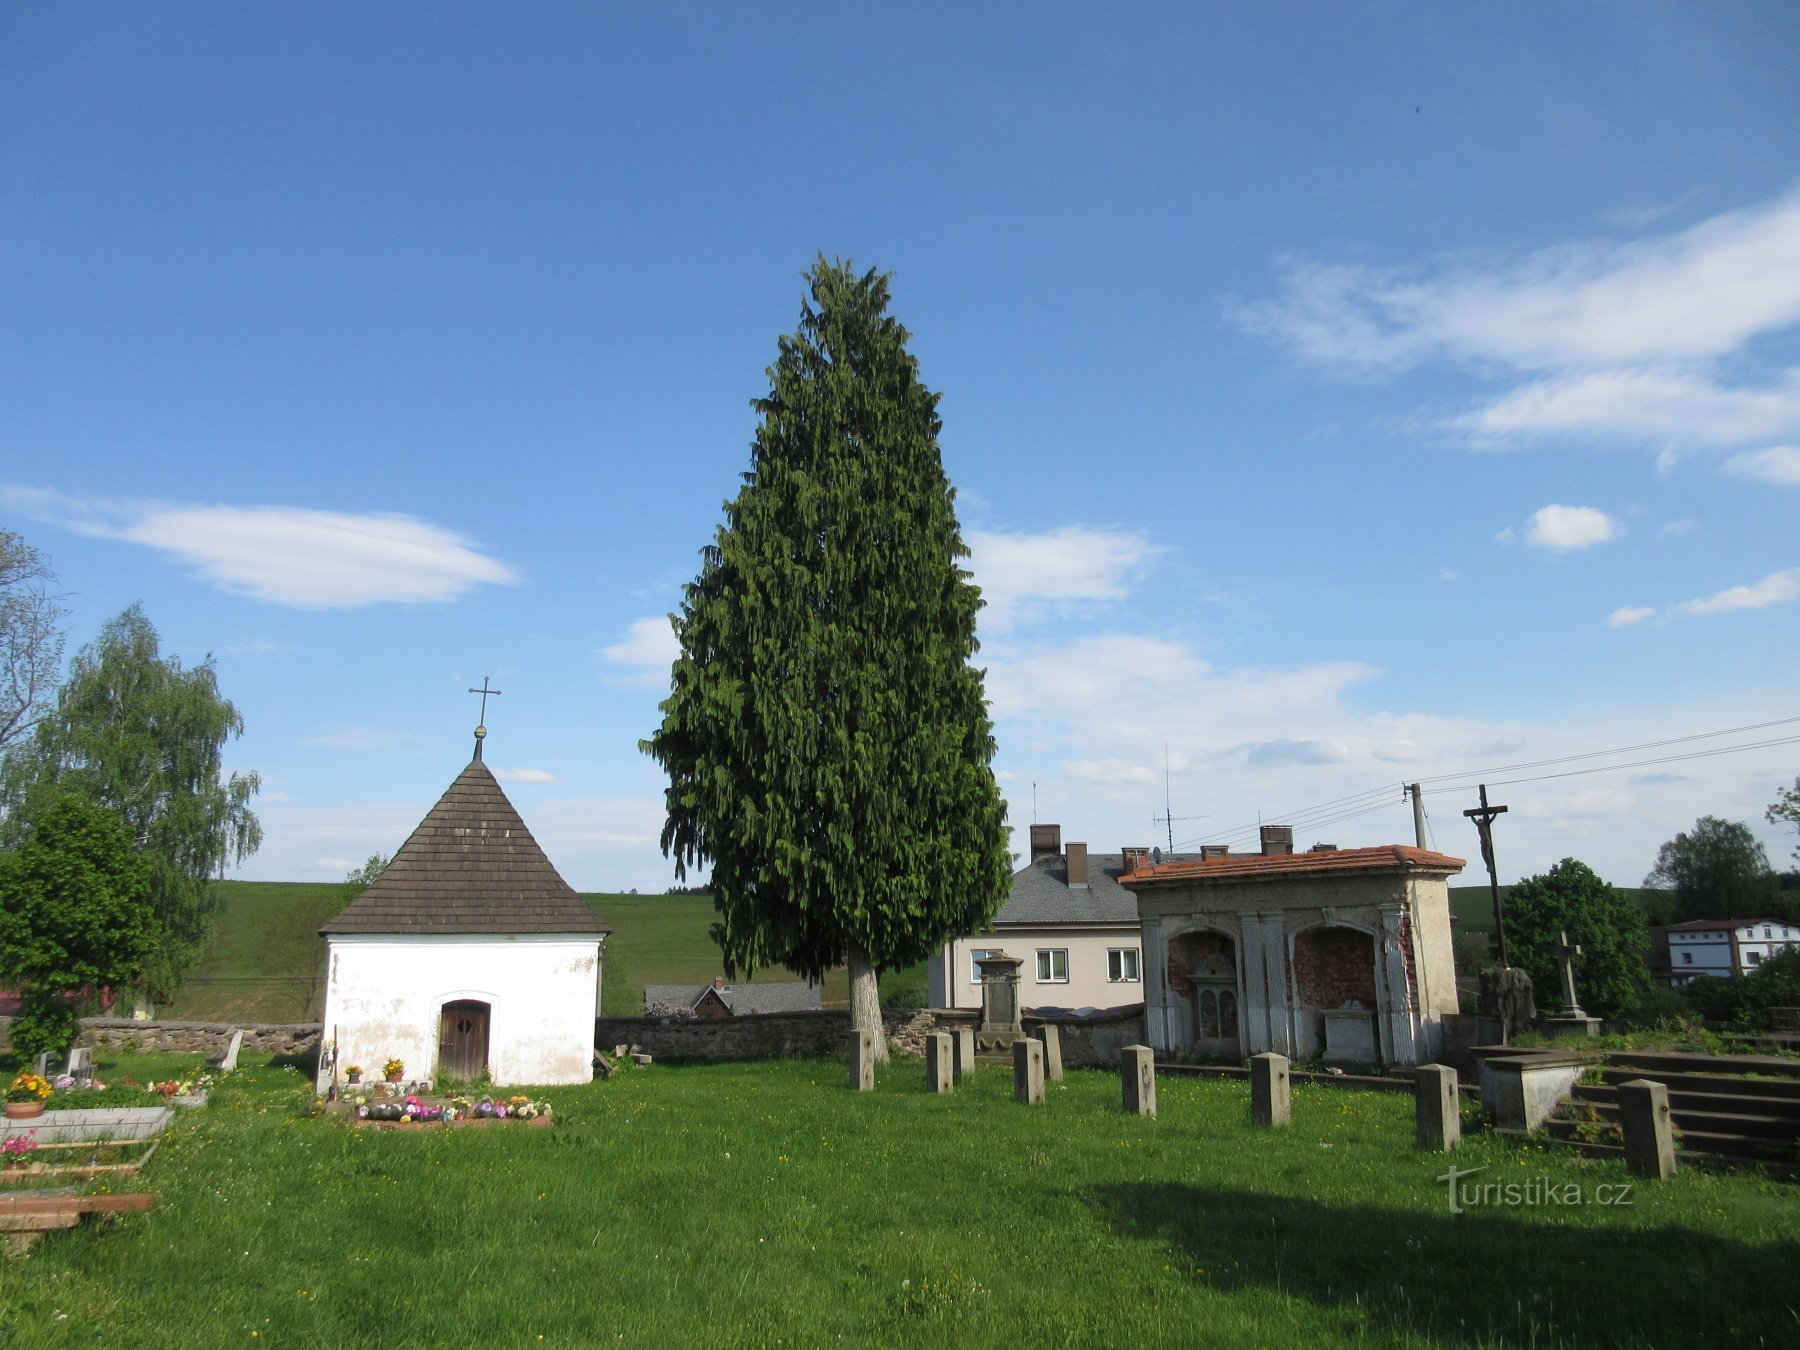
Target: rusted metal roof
{"type": "Point", "coordinates": [1260, 867]}
{"type": "Point", "coordinates": [470, 867]}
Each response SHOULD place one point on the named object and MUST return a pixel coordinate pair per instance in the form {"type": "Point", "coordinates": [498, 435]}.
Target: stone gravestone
{"type": "Point", "coordinates": [80, 1065]}
{"type": "Point", "coordinates": [229, 1059]}
{"type": "Point", "coordinates": [965, 1051]}
{"type": "Point", "coordinates": [1437, 1111]}
{"type": "Point", "coordinates": [1137, 1075]}
{"type": "Point", "coordinates": [1000, 1026]}
{"type": "Point", "coordinates": [940, 1067]}
{"type": "Point", "coordinates": [1649, 1142]}
{"type": "Point", "coordinates": [1572, 1021]}
{"type": "Point", "coordinates": [1051, 1035]}
{"type": "Point", "coordinates": [1271, 1100]}
{"type": "Point", "coordinates": [1028, 1071]}
{"type": "Point", "coordinates": [862, 1061]}
{"type": "Point", "coordinates": [42, 1066]}
{"type": "Point", "coordinates": [1506, 995]}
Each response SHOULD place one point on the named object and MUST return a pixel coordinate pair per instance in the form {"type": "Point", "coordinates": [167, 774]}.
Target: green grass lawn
{"type": "Point", "coordinates": [765, 1204]}
{"type": "Point", "coordinates": [266, 962]}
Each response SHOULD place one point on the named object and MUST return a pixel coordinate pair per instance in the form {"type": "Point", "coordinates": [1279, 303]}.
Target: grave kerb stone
{"type": "Point", "coordinates": [1028, 1072]}
{"type": "Point", "coordinates": [1649, 1139]}
{"type": "Point", "coordinates": [1271, 1100]}
{"type": "Point", "coordinates": [940, 1064]}
{"type": "Point", "coordinates": [862, 1061]}
{"type": "Point", "coordinates": [1137, 1077]}
{"type": "Point", "coordinates": [1437, 1110]}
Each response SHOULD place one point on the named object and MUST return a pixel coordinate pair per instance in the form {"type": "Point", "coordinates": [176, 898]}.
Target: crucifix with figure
{"type": "Point", "coordinates": [481, 728]}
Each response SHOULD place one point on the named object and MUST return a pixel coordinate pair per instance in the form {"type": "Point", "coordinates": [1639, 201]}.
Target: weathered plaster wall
{"type": "Point", "coordinates": [383, 997]}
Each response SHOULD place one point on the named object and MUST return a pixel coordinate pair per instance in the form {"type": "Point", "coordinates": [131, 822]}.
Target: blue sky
{"type": "Point", "coordinates": [1337, 395]}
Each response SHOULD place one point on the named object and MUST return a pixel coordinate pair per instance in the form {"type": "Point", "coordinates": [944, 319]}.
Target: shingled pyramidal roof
{"type": "Point", "coordinates": [470, 867]}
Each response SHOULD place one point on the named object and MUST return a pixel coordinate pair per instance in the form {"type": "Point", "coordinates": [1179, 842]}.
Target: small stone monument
{"type": "Point", "coordinates": [862, 1061]}
{"type": "Point", "coordinates": [1649, 1140]}
{"type": "Point", "coordinates": [80, 1065]}
{"type": "Point", "coordinates": [1000, 1025]}
{"type": "Point", "coordinates": [1572, 1021]}
{"type": "Point", "coordinates": [1506, 996]}
{"type": "Point", "coordinates": [1028, 1071]}
{"type": "Point", "coordinates": [1271, 1099]}
{"type": "Point", "coordinates": [940, 1068]}
{"type": "Point", "coordinates": [1437, 1111]}
{"type": "Point", "coordinates": [965, 1051]}
{"type": "Point", "coordinates": [1051, 1035]}
{"type": "Point", "coordinates": [1137, 1076]}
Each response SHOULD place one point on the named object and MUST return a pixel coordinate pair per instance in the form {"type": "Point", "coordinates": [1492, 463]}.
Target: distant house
{"type": "Point", "coordinates": [1340, 953]}
{"type": "Point", "coordinates": [1071, 923]}
{"type": "Point", "coordinates": [468, 956]}
{"type": "Point", "coordinates": [1717, 947]}
{"type": "Point", "coordinates": [719, 999]}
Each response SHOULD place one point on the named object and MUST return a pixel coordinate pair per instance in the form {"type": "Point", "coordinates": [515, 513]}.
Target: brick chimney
{"type": "Point", "coordinates": [1277, 840]}
{"type": "Point", "coordinates": [1078, 868]}
{"type": "Point", "coordinates": [1134, 858]}
{"type": "Point", "coordinates": [1045, 840]}
{"type": "Point", "coordinates": [719, 982]}
{"type": "Point", "coordinates": [1210, 851]}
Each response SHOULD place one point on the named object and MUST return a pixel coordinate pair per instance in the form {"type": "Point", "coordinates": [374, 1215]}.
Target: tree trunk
{"type": "Point", "coordinates": [865, 1002]}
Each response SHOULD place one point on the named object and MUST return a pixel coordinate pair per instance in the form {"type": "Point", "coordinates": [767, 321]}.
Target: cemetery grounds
{"type": "Point", "coordinates": [766, 1204]}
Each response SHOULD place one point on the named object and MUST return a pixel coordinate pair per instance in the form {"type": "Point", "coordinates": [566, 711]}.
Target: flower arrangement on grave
{"type": "Point", "coordinates": [28, 1087]}
{"type": "Point", "coordinates": [354, 1073]}
{"type": "Point", "coordinates": [13, 1152]}
{"type": "Point", "coordinates": [395, 1069]}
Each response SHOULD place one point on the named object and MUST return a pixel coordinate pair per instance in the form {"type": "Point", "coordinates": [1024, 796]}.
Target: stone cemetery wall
{"type": "Point", "coordinates": [1095, 1042]}
{"type": "Point", "coordinates": [191, 1038]}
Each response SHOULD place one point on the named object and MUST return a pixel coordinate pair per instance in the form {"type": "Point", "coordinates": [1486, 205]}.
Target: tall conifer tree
{"type": "Point", "coordinates": [827, 740]}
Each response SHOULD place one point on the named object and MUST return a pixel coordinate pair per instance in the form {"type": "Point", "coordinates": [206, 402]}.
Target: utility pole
{"type": "Point", "coordinates": [1418, 801]}
{"type": "Point", "coordinates": [1483, 816]}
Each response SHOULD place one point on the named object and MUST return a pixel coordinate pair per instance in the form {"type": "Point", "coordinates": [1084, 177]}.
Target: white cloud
{"type": "Point", "coordinates": [647, 651]}
{"type": "Point", "coordinates": [369, 738]}
{"type": "Point", "coordinates": [1563, 529]}
{"type": "Point", "coordinates": [1679, 527]}
{"type": "Point", "coordinates": [524, 776]}
{"type": "Point", "coordinates": [1657, 405]}
{"type": "Point", "coordinates": [1775, 589]}
{"type": "Point", "coordinates": [1778, 464]}
{"type": "Point", "coordinates": [1025, 577]}
{"type": "Point", "coordinates": [287, 555]}
{"type": "Point", "coordinates": [1627, 615]}
{"type": "Point", "coordinates": [1697, 293]}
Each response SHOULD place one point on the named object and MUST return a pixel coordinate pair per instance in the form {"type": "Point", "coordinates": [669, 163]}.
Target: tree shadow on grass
{"type": "Point", "coordinates": [1483, 1276]}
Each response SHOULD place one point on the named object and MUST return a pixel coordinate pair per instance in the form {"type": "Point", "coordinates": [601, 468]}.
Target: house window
{"type": "Point", "coordinates": [1053, 965]}
{"type": "Point", "coordinates": [1687, 958]}
{"type": "Point", "coordinates": [1122, 965]}
{"type": "Point", "coordinates": [975, 956]}
{"type": "Point", "coordinates": [1755, 958]}
{"type": "Point", "coordinates": [1767, 931]}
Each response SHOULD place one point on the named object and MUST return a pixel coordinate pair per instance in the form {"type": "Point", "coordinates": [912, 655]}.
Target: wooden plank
{"type": "Point", "coordinates": [75, 1204]}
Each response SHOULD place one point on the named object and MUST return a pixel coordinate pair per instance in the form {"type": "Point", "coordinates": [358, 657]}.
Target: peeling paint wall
{"type": "Point", "coordinates": [385, 995]}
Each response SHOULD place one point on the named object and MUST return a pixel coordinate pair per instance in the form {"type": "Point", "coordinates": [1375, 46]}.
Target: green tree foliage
{"type": "Point", "coordinates": [136, 733]}
{"type": "Point", "coordinates": [75, 915]}
{"type": "Point", "coordinates": [1747, 999]}
{"type": "Point", "coordinates": [31, 638]}
{"type": "Point", "coordinates": [827, 740]}
{"type": "Point", "coordinates": [1718, 871]}
{"type": "Point", "coordinates": [359, 879]}
{"type": "Point", "coordinates": [1785, 810]}
{"type": "Point", "coordinates": [1610, 974]}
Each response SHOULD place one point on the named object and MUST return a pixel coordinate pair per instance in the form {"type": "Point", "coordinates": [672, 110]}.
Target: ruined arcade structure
{"type": "Point", "coordinates": [1340, 954]}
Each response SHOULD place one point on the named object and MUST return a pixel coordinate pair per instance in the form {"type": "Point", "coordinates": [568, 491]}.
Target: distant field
{"type": "Point", "coordinates": [267, 962]}
{"type": "Point", "coordinates": [1473, 907]}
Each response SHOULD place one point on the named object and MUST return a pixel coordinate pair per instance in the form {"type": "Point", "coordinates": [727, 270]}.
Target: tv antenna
{"type": "Point", "coordinates": [1167, 818]}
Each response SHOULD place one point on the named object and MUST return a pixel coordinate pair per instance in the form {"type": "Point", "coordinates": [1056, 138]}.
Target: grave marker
{"type": "Point", "coordinates": [940, 1066]}
{"type": "Point", "coordinates": [1437, 1114]}
{"type": "Point", "coordinates": [862, 1061]}
{"type": "Point", "coordinates": [1051, 1035]}
{"type": "Point", "coordinates": [1649, 1142]}
{"type": "Point", "coordinates": [1271, 1100]}
{"type": "Point", "coordinates": [1137, 1075]}
{"type": "Point", "coordinates": [1028, 1072]}
{"type": "Point", "coordinates": [965, 1051]}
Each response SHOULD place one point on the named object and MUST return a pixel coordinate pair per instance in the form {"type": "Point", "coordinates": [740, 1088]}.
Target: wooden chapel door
{"type": "Point", "coordinates": [463, 1039]}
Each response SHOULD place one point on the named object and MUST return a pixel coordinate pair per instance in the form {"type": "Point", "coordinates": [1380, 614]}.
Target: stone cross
{"type": "Point", "coordinates": [1566, 952]}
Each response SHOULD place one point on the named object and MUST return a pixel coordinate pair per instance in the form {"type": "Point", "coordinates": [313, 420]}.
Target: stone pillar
{"type": "Point", "coordinates": [940, 1072]}
{"type": "Point", "coordinates": [965, 1051]}
{"type": "Point", "coordinates": [1271, 1101]}
{"type": "Point", "coordinates": [1028, 1072]}
{"type": "Point", "coordinates": [1649, 1143]}
{"type": "Point", "coordinates": [1137, 1075]}
{"type": "Point", "coordinates": [862, 1061]}
{"type": "Point", "coordinates": [1051, 1036]}
{"type": "Point", "coordinates": [1437, 1112]}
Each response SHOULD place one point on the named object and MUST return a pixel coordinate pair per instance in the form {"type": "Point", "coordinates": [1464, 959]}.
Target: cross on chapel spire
{"type": "Point", "coordinates": [481, 729]}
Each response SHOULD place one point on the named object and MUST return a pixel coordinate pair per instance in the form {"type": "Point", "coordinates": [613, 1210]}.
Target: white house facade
{"type": "Point", "coordinates": [1725, 946]}
{"type": "Point", "coordinates": [469, 956]}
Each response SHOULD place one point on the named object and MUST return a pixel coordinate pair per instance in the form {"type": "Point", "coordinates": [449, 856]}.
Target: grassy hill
{"type": "Point", "coordinates": [1473, 906]}
{"type": "Point", "coordinates": [266, 962]}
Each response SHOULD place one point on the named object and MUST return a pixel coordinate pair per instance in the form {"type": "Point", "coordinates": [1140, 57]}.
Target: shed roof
{"type": "Point", "coordinates": [778, 996]}
{"type": "Point", "coordinates": [471, 866]}
{"type": "Point", "coordinates": [1269, 867]}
